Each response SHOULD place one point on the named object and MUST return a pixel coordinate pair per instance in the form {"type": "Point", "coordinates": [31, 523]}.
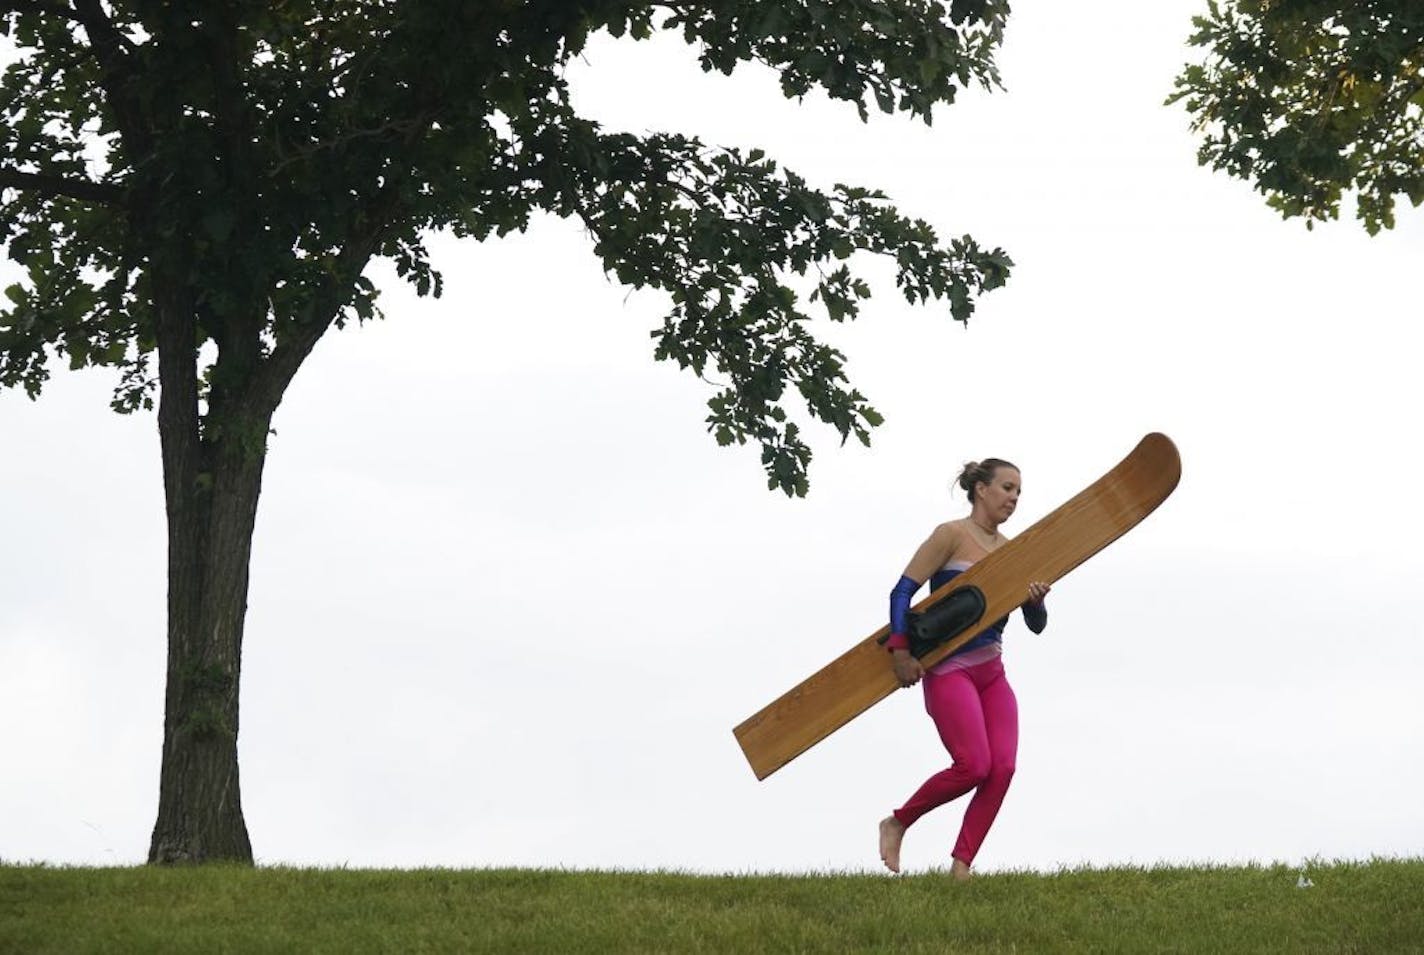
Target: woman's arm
{"type": "Point", "coordinates": [933, 554]}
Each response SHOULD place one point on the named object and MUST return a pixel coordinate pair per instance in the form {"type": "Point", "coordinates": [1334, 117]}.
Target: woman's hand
{"type": "Point", "coordinates": [907, 669]}
{"type": "Point", "coordinates": [1035, 614]}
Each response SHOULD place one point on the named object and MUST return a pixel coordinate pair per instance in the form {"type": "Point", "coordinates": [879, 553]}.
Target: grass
{"type": "Point", "coordinates": [1373, 907]}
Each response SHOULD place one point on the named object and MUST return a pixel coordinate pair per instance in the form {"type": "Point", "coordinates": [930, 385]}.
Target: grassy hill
{"type": "Point", "coordinates": [1373, 907]}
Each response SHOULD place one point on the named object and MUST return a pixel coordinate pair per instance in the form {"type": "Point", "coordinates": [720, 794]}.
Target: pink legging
{"type": "Point", "coordinates": [978, 719]}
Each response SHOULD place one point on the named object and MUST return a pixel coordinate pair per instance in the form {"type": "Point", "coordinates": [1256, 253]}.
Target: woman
{"type": "Point", "coordinates": [966, 694]}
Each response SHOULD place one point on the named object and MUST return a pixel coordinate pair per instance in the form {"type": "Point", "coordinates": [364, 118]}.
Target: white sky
{"type": "Point", "coordinates": [508, 599]}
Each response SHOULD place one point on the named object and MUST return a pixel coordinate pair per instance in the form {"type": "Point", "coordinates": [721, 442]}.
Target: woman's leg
{"type": "Point", "coordinates": [953, 703]}
{"type": "Point", "coordinates": [1000, 710]}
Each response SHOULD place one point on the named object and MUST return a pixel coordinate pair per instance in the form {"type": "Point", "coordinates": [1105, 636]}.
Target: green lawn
{"type": "Point", "coordinates": [1374, 907]}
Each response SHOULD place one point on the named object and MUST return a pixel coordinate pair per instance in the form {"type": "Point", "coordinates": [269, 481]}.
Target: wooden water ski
{"type": "Point", "coordinates": [862, 677]}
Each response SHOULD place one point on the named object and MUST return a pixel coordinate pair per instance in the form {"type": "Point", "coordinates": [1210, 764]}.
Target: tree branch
{"type": "Point", "coordinates": [271, 379]}
{"type": "Point", "coordinates": [306, 152]}
{"type": "Point", "coordinates": [54, 186]}
{"type": "Point", "coordinates": [111, 48]}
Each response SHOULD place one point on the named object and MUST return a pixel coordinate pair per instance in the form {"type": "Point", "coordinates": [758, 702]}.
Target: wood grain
{"type": "Point", "coordinates": [861, 677]}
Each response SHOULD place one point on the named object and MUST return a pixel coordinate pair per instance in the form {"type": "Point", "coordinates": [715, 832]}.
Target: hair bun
{"type": "Point", "coordinates": [979, 472]}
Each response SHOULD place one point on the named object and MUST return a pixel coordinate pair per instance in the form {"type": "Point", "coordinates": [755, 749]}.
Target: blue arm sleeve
{"type": "Point", "coordinates": [1035, 614]}
{"type": "Point", "coordinates": [900, 599]}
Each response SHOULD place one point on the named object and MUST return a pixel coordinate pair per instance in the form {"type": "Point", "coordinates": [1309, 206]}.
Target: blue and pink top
{"type": "Point", "coordinates": [984, 646]}
{"type": "Point", "coordinates": [981, 648]}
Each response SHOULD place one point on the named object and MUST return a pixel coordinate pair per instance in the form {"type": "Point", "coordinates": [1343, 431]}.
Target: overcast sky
{"type": "Point", "coordinates": [508, 599]}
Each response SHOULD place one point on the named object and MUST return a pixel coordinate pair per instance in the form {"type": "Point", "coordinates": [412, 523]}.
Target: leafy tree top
{"type": "Point", "coordinates": [174, 175]}
{"type": "Point", "coordinates": [1311, 99]}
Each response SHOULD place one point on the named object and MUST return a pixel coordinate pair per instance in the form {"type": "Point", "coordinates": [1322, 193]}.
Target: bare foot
{"type": "Point", "coordinates": [892, 831]}
{"type": "Point", "coordinates": [959, 871]}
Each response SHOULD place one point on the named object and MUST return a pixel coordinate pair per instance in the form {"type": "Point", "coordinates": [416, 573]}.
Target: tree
{"type": "Point", "coordinates": [195, 191]}
{"type": "Point", "coordinates": [1312, 98]}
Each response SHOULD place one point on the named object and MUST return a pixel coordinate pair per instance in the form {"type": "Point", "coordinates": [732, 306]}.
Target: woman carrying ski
{"type": "Point", "coordinates": [966, 693]}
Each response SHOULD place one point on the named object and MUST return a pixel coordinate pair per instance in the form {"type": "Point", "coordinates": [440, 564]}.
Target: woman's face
{"type": "Point", "coordinates": [1001, 495]}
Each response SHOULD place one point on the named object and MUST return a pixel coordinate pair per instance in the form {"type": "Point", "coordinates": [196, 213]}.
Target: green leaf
{"type": "Point", "coordinates": [217, 224]}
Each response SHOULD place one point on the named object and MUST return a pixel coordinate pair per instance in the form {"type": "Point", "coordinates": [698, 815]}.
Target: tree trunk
{"type": "Point", "coordinates": [212, 475]}
{"type": "Point", "coordinates": [210, 543]}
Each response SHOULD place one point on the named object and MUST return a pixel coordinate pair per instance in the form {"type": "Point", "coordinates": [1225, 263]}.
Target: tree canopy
{"type": "Point", "coordinates": [1312, 99]}
{"type": "Point", "coordinates": [246, 160]}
